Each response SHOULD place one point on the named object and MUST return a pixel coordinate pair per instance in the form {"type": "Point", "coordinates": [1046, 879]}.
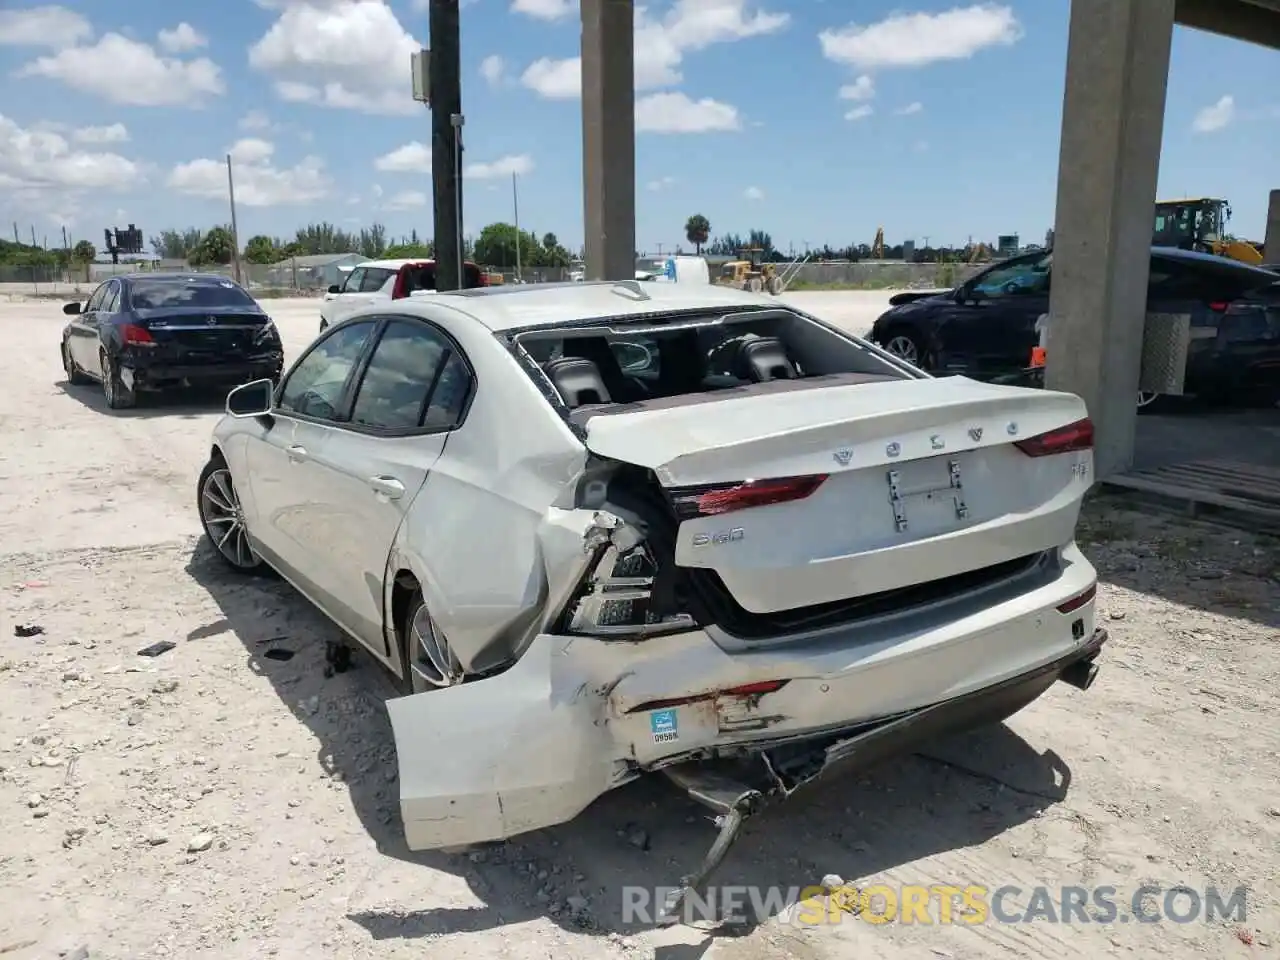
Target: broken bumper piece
{"type": "Point", "coordinates": [735, 790]}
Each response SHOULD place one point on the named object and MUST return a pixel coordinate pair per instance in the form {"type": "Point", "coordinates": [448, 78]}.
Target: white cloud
{"type": "Point", "coordinates": [660, 184]}
{"type": "Point", "coordinates": [42, 161]}
{"type": "Point", "coordinates": [259, 183]}
{"type": "Point", "coordinates": [129, 72]}
{"type": "Point", "coordinates": [909, 109]}
{"type": "Point", "coordinates": [554, 79]}
{"type": "Point", "coordinates": [116, 133]}
{"type": "Point", "coordinates": [753, 193]}
{"type": "Point", "coordinates": [1215, 117]}
{"type": "Point", "coordinates": [181, 39]}
{"type": "Point", "coordinates": [661, 45]}
{"type": "Point", "coordinates": [861, 89]}
{"type": "Point", "coordinates": [43, 27]}
{"type": "Point", "coordinates": [346, 54]}
{"type": "Point", "coordinates": [860, 113]}
{"type": "Point", "coordinates": [407, 200]}
{"type": "Point", "coordinates": [677, 113]}
{"type": "Point", "coordinates": [916, 39]}
{"type": "Point", "coordinates": [492, 68]}
{"type": "Point", "coordinates": [255, 120]}
{"type": "Point", "coordinates": [544, 9]}
{"type": "Point", "coordinates": [520, 165]}
{"type": "Point", "coordinates": [413, 157]}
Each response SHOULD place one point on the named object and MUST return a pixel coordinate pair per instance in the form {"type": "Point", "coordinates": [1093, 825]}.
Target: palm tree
{"type": "Point", "coordinates": [697, 230]}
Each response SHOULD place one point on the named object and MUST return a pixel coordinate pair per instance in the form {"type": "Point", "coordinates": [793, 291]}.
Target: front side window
{"type": "Point", "coordinates": [98, 296]}
{"type": "Point", "coordinates": [354, 279]}
{"type": "Point", "coordinates": [375, 278]}
{"type": "Point", "coordinates": [1019, 278]}
{"type": "Point", "coordinates": [415, 378]}
{"type": "Point", "coordinates": [314, 387]}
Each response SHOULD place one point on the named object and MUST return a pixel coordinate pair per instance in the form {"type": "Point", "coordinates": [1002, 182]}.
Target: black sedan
{"type": "Point", "coordinates": [152, 331]}
{"type": "Point", "coordinates": [986, 327]}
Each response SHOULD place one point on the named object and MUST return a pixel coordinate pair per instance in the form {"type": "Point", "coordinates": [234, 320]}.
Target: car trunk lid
{"type": "Point", "coordinates": [209, 333]}
{"type": "Point", "coordinates": [805, 498]}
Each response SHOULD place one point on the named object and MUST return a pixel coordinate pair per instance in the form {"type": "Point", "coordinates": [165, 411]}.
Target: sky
{"type": "Point", "coordinates": [816, 120]}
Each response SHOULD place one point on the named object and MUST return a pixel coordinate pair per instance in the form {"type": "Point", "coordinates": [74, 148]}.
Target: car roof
{"type": "Point", "coordinates": [519, 306]}
{"type": "Point", "coordinates": [195, 279]}
{"type": "Point", "coordinates": [397, 264]}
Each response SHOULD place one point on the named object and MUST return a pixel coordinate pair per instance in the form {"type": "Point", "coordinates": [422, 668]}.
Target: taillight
{"type": "Point", "coordinates": [1219, 306]}
{"type": "Point", "coordinates": [708, 501]}
{"type": "Point", "coordinates": [1079, 600]}
{"type": "Point", "coordinates": [1074, 436]}
{"type": "Point", "coordinates": [135, 335]}
{"type": "Point", "coordinates": [617, 598]}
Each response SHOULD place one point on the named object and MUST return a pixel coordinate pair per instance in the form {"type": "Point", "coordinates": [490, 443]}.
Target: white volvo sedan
{"type": "Point", "coordinates": [604, 529]}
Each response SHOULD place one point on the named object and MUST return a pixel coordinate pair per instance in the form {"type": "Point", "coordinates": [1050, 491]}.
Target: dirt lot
{"type": "Point", "coordinates": [225, 800]}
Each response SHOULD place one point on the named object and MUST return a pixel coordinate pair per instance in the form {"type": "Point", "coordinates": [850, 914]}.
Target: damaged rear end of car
{"type": "Point", "coordinates": [790, 556]}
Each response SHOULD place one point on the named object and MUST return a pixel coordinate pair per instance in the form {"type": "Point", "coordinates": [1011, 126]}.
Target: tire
{"type": "Point", "coordinates": [222, 519]}
{"type": "Point", "coordinates": [904, 344]}
{"type": "Point", "coordinates": [419, 669]}
{"type": "Point", "coordinates": [75, 376]}
{"type": "Point", "coordinates": [117, 395]}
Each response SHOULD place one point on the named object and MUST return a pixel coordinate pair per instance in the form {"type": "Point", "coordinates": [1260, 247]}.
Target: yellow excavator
{"type": "Point", "coordinates": [1201, 224]}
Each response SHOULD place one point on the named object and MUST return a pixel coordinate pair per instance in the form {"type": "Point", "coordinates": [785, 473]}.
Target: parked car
{"type": "Point", "coordinates": [153, 331]}
{"type": "Point", "coordinates": [986, 327]}
{"type": "Point", "coordinates": [375, 281]}
{"type": "Point", "coordinates": [713, 529]}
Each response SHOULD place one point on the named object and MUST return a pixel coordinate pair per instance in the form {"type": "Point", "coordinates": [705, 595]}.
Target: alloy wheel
{"type": "Point", "coordinates": [904, 348]}
{"type": "Point", "coordinates": [224, 519]}
{"type": "Point", "coordinates": [1146, 398]}
{"type": "Point", "coordinates": [108, 380]}
{"type": "Point", "coordinates": [430, 656]}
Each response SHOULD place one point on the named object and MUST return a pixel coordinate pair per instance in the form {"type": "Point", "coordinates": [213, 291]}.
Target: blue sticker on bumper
{"type": "Point", "coordinates": [665, 726]}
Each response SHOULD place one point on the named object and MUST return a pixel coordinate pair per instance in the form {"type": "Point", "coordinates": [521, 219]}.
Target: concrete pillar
{"type": "Point", "coordinates": [609, 138]}
{"type": "Point", "coordinates": [1112, 122]}
{"type": "Point", "coordinates": [1271, 240]}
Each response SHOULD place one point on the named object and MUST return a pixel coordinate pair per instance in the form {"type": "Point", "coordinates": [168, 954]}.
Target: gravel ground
{"type": "Point", "coordinates": [228, 799]}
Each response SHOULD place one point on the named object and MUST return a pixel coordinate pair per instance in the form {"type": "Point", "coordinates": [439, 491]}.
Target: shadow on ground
{"type": "Point", "coordinates": [959, 793]}
{"type": "Point", "coordinates": [185, 404]}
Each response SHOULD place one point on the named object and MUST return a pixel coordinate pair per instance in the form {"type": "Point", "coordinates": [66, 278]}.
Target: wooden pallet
{"type": "Point", "coordinates": [1242, 494]}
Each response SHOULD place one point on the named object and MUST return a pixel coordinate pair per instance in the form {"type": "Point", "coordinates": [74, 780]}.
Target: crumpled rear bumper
{"type": "Point", "coordinates": [535, 746]}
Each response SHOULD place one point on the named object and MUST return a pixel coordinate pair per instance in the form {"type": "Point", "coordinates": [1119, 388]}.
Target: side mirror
{"type": "Point", "coordinates": [253, 399]}
{"type": "Point", "coordinates": [334, 288]}
{"type": "Point", "coordinates": [632, 356]}
{"type": "Point", "coordinates": [71, 309]}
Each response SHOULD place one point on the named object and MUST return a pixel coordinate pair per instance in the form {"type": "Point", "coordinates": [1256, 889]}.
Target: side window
{"type": "Point", "coordinates": [415, 378]}
{"type": "Point", "coordinates": [375, 279]}
{"type": "Point", "coordinates": [314, 387]}
{"type": "Point", "coordinates": [353, 281]}
{"type": "Point", "coordinates": [1019, 278]}
{"type": "Point", "coordinates": [112, 301]}
{"type": "Point", "coordinates": [99, 295]}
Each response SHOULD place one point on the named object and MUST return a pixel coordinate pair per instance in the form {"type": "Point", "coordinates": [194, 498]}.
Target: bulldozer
{"type": "Point", "coordinates": [750, 272]}
{"type": "Point", "coordinates": [1201, 224]}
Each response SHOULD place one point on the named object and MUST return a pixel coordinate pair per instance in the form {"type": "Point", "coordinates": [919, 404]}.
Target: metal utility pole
{"type": "Point", "coordinates": [445, 91]}
{"type": "Point", "coordinates": [515, 206]}
{"type": "Point", "coordinates": [235, 235]}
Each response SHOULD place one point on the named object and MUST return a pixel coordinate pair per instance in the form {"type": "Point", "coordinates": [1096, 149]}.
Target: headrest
{"type": "Point", "coordinates": [764, 358]}
{"type": "Point", "coordinates": [578, 381]}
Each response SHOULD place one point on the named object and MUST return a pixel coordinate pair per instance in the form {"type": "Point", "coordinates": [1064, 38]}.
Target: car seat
{"type": "Point", "coordinates": [622, 388]}
{"type": "Point", "coordinates": [578, 381]}
{"type": "Point", "coordinates": [763, 358]}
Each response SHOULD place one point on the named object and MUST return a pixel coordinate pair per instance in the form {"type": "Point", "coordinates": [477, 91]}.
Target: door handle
{"type": "Point", "coordinates": [296, 453]}
{"type": "Point", "coordinates": [389, 487]}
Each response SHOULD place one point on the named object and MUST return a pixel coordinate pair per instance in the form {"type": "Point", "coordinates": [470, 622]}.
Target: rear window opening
{"type": "Point", "coordinates": [680, 360]}
{"type": "Point", "coordinates": [159, 294]}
